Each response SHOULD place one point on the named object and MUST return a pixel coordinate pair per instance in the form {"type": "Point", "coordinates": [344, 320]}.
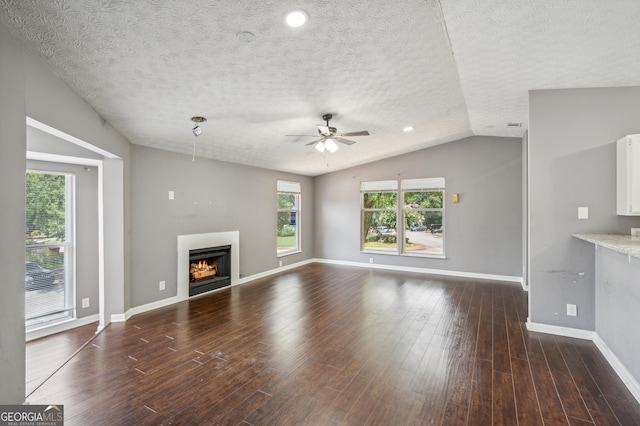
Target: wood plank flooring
{"type": "Point", "coordinates": [337, 345]}
{"type": "Point", "coordinates": [45, 355]}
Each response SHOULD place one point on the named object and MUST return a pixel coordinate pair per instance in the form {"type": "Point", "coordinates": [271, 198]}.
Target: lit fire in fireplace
{"type": "Point", "coordinates": [203, 269]}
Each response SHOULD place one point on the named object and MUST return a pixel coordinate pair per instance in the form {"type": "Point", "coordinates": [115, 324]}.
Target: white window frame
{"type": "Point", "coordinates": [400, 186]}
{"type": "Point", "coordinates": [371, 187]}
{"type": "Point", "coordinates": [416, 185]}
{"type": "Point", "coordinates": [68, 246]}
{"type": "Point", "coordinates": [293, 188]}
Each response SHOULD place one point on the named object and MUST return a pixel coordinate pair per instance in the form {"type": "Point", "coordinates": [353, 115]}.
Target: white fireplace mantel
{"type": "Point", "coordinates": [198, 241]}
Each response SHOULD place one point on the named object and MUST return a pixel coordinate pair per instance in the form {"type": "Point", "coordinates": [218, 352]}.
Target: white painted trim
{"type": "Point", "coordinates": [144, 308]}
{"type": "Point", "coordinates": [274, 271]}
{"type": "Point", "coordinates": [617, 365]}
{"type": "Point", "coordinates": [444, 272]}
{"type": "Point", "coordinates": [524, 284]}
{"type": "Point", "coordinates": [196, 241]}
{"type": "Point", "coordinates": [60, 327]}
{"type": "Point", "coordinates": [627, 378]}
{"type": "Point", "coordinates": [560, 331]}
{"type": "Point", "coordinates": [67, 137]}
{"type": "Point", "coordinates": [66, 159]}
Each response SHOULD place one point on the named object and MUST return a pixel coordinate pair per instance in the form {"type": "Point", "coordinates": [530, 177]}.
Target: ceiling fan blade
{"type": "Point", "coordinates": [324, 130]}
{"type": "Point", "coordinates": [361, 133]}
{"type": "Point", "coordinates": [343, 140]}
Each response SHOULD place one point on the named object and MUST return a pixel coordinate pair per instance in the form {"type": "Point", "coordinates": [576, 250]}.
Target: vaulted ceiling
{"type": "Point", "coordinates": [449, 68]}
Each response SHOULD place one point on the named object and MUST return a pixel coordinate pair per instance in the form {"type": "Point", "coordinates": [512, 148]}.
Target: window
{"type": "Point", "coordinates": [288, 236]}
{"type": "Point", "coordinates": [409, 221]}
{"type": "Point", "coordinates": [49, 248]}
{"type": "Point", "coordinates": [380, 216]}
{"type": "Point", "coordinates": [423, 215]}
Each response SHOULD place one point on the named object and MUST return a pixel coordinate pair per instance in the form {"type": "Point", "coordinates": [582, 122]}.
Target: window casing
{"type": "Point", "coordinates": [49, 248]}
{"type": "Point", "coordinates": [379, 201]}
{"type": "Point", "coordinates": [403, 217]}
{"type": "Point", "coordinates": [423, 217]}
{"type": "Point", "coordinates": [288, 212]}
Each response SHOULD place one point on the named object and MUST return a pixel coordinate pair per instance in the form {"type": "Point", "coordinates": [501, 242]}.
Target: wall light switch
{"type": "Point", "coordinates": [171, 195]}
{"type": "Point", "coordinates": [583, 212]}
{"type": "Point", "coordinates": [455, 199]}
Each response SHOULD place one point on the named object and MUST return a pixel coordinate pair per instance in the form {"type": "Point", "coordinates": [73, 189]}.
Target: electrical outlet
{"type": "Point", "coordinates": [281, 263]}
{"type": "Point", "coordinates": [86, 302]}
{"type": "Point", "coordinates": [572, 310]}
{"type": "Point", "coordinates": [162, 285]}
{"type": "Point", "coordinates": [371, 260]}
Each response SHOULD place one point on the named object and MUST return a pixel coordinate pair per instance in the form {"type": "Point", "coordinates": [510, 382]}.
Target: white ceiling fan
{"type": "Point", "coordinates": [329, 136]}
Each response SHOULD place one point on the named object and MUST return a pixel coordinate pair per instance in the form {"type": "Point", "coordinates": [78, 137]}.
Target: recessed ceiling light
{"type": "Point", "coordinates": [408, 129]}
{"type": "Point", "coordinates": [296, 18]}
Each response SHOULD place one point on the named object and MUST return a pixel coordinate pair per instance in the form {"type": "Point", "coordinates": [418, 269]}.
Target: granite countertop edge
{"type": "Point", "coordinates": [625, 244]}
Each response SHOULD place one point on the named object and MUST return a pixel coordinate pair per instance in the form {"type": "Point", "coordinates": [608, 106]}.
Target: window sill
{"type": "Point", "coordinates": [288, 253]}
{"type": "Point", "coordinates": [390, 253]}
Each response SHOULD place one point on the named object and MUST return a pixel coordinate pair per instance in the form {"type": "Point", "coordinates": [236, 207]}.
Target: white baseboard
{"type": "Point", "coordinates": [444, 272]}
{"type": "Point", "coordinates": [171, 300]}
{"type": "Point", "coordinates": [624, 374]}
{"type": "Point", "coordinates": [274, 271]}
{"type": "Point", "coordinates": [561, 331]}
{"type": "Point", "coordinates": [627, 378]}
{"type": "Point", "coordinates": [60, 327]}
{"type": "Point", "coordinates": [144, 308]}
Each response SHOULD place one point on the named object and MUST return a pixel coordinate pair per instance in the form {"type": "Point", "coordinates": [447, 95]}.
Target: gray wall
{"type": "Point", "coordinates": [617, 302]}
{"type": "Point", "coordinates": [483, 232]}
{"type": "Point", "coordinates": [27, 88]}
{"type": "Point", "coordinates": [12, 214]}
{"type": "Point", "coordinates": [210, 196]}
{"type": "Point", "coordinates": [572, 162]}
{"type": "Point", "coordinates": [86, 218]}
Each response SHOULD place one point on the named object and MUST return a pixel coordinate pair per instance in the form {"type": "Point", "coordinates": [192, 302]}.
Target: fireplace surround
{"type": "Point", "coordinates": [196, 242]}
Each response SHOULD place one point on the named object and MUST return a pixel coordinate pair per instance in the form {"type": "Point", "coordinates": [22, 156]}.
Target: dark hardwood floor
{"type": "Point", "coordinates": [329, 345]}
{"type": "Point", "coordinates": [45, 355]}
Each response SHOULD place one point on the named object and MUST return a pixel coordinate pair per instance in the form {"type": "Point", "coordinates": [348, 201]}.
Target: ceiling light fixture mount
{"type": "Point", "coordinates": [246, 37]}
{"type": "Point", "coordinates": [197, 130]}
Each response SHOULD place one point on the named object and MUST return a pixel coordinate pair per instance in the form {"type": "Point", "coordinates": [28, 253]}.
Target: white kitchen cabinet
{"type": "Point", "coordinates": [628, 176]}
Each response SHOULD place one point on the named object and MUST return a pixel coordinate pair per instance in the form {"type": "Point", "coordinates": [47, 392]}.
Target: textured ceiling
{"type": "Point", "coordinates": [449, 68]}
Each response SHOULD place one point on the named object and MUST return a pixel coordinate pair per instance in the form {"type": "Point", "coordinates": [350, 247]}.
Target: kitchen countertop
{"type": "Point", "coordinates": [625, 244]}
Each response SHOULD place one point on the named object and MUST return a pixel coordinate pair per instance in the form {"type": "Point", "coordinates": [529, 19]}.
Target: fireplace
{"type": "Point", "coordinates": [209, 269]}
{"type": "Point", "coordinates": [207, 262]}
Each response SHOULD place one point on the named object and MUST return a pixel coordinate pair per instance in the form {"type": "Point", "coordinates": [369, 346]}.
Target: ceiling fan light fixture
{"type": "Point", "coordinates": [330, 145]}
{"type": "Point", "coordinates": [197, 131]}
{"type": "Point", "coordinates": [320, 146]}
{"type": "Point", "coordinates": [296, 18]}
